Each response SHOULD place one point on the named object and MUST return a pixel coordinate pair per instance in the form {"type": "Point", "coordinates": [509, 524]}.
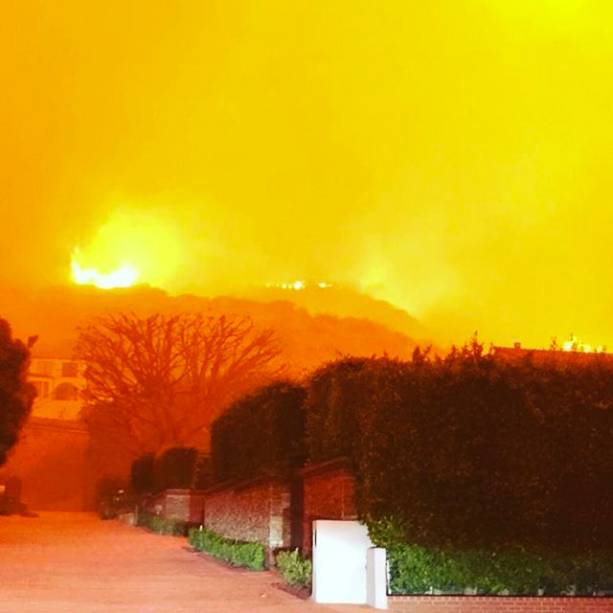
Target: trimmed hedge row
{"type": "Point", "coordinates": [417, 570]}
{"type": "Point", "coordinates": [161, 525]}
{"type": "Point", "coordinates": [260, 433]}
{"type": "Point", "coordinates": [238, 553]}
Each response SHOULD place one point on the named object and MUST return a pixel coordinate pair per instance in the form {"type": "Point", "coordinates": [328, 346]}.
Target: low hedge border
{"type": "Point", "coordinates": [248, 555]}
{"type": "Point", "coordinates": [415, 570]}
{"type": "Point", "coordinates": [161, 525]}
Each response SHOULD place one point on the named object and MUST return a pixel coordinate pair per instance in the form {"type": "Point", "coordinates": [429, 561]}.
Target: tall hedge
{"type": "Point", "coordinates": [260, 433]}
{"type": "Point", "coordinates": [175, 468]}
{"type": "Point", "coordinates": [471, 452]}
{"type": "Point", "coordinates": [142, 474]}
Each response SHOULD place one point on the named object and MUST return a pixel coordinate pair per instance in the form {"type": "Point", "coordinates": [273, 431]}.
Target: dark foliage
{"type": "Point", "coordinates": [16, 394]}
{"type": "Point", "coordinates": [470, 452]}
{"type": "Point", "coordinates": [260, 433]}
{"type": "Point", "coordinates": [334, 392]}
{"type": "Point", "coordinates": [142, 474]}
{"type": "Point", "coordinates": [249, 555]}
{"type": "Point", "coordinates": [112, 496]}
{"type": "Point", "coordinates": [414, 569]}
{"type": "Point", "coordinates": [161, 525]}
{"type": "Point", "coordinates": [175, 467]}
{"type": "Point", "coordinates": [203, 472]}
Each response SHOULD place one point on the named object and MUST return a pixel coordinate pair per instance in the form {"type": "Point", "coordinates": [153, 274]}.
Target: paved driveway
{"type": "Point", "coordinates": [69, 562]}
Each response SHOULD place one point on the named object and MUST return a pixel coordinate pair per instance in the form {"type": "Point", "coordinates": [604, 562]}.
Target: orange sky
{"type": "Point", "coordinates": [452, 157]}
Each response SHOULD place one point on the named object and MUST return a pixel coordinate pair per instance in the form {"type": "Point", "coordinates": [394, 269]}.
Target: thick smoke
{"type": "Point", "coordinates": [450, 157]}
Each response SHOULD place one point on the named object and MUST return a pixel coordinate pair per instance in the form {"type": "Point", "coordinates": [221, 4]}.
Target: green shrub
{"type": "Point", "coordinates": [175, 467]}
{"type": "Point", "coordinates": [260, 433]}
{"type": "Point", "coordinates": [295, 569]}
{"type": "Point", "coordinates": [238, 553]}
{"type": "Point", "coordinates": [418, 570]}
{"type": "Point", "coordinates": [161, 525]}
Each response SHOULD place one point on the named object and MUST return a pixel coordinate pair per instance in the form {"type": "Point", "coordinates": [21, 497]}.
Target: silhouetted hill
{"type": "Point", "coordinates": [344, 301]}
{"type": "Point", "coordinates": [307, 339]}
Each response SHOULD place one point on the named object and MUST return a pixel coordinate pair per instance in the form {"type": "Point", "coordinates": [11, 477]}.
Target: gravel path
{"type": "Point", "coordinates": [64, 562]}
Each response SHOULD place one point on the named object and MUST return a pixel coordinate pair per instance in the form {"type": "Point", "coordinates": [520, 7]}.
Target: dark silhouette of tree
{"type": "Point", "coordinates": [160, 381]}
{"type": "Point", "coordinates": [16, 394]}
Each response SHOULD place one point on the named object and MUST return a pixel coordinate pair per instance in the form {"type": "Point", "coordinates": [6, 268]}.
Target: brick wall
{"type": "Point", "coordinates": [256, 510]}
{"type": "Point", "coordinates": [184, 505]}
{"type": "Point", "coordinates": [498, 604]}
{"type": "Point", "coordinates": [328, 493]}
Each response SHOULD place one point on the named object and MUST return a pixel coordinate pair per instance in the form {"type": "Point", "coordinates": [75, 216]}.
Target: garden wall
{"type": "Point", "coordinates": [329, 493]}
{"type": "Point", "coordinates": [498, 604]}
{"type": "Point", "coordinates": [184, 505]}
{"type": "Point", "coordinates": [180, 504]}
{"type": "Point", "coordinates": [255, 510]}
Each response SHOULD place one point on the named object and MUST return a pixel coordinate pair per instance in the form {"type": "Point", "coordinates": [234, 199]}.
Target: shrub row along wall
{"type": "Point", "coordinates": [469, 604]}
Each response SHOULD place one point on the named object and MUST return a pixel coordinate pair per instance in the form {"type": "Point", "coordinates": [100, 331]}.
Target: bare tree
{"type": "Point", "coordinates": [161, 380]}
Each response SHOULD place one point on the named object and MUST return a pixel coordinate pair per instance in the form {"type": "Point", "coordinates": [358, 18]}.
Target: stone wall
{"type": "Point", "coordinates": [498, 604]}
{"type": "Point", "coordinates": [328, 493]}
{"type": "Point", "coordinates": [255, 510]}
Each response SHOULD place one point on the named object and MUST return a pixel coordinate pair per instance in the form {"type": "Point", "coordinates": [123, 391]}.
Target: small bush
{"type": "Point", "coordinates": [161, 525]}
{"type": "Point", "coordinates": [238, 553]}
{"type": "Point", "coordinates": [295, 569]}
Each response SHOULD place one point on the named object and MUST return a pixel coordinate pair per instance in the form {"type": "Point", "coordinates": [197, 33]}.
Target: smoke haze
{"type": "Point", "coordinates": [452, 158]}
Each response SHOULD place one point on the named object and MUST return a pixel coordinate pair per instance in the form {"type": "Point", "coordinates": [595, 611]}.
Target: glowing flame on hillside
{"type": "Point", "coordinates": [130, 247]}
{"type": "Point", "coordinates": [299, 285]}
{"type": "Point", "coordinates": [574, 344]}
{"type": "Point", "coordinates": [124, 276]}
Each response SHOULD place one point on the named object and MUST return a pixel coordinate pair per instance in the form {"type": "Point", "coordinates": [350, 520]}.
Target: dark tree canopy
{"type": "Point", "coordinates": [16, 394]}
{"type": "Point", "coordinates": [159, 381]}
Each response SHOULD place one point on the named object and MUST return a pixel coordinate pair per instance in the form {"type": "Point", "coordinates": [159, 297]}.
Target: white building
{"type": "Point", "coordinates": [58, 382]}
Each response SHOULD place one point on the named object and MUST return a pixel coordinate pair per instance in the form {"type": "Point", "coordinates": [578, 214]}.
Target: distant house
{"type": "Point", "coordinates": [58, 382]}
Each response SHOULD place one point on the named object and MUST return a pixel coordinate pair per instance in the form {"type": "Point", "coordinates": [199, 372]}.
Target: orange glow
{"type": "Point", "coordinates": [128, 248]}
{"type": "Point", "coordinates": [450, 158]}
{"type": "Point", "coordinates": [124, 276]}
